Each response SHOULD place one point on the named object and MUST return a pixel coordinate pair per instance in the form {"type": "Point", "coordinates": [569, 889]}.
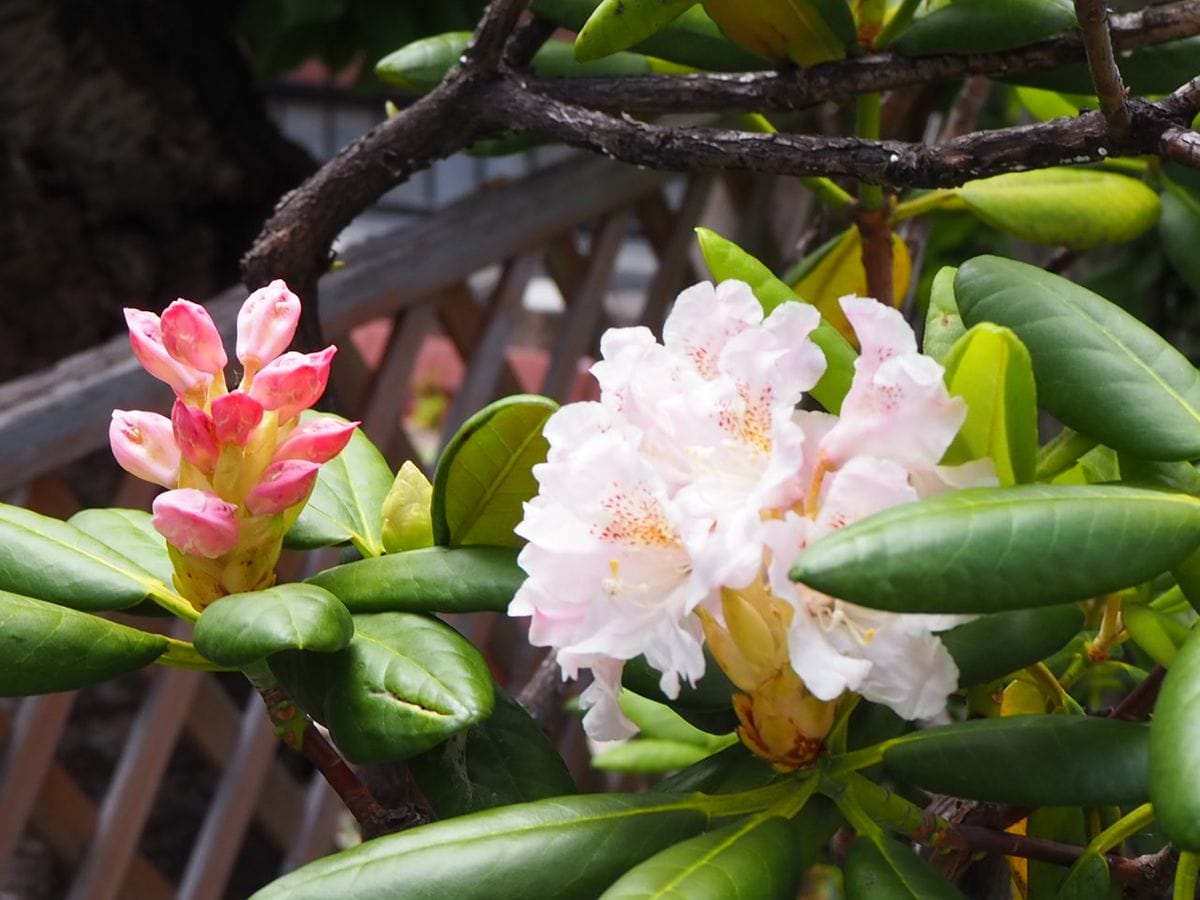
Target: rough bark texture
{"type": "Point", "coordinates": [136, 163]}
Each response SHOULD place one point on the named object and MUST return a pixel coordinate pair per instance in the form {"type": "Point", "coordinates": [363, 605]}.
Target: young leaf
{"type": "Point", "coordinates": [46, 648]}
{"type": "Point", "coordinates": [982, 26]}
{"type": "Point", "coordinates": [485, 474]}
{"type": "Point", "coordinates": [1099, 370]}
{"type": "Point", "coordinates": [657, 720]}
{"type": "Point", "coordinates": [884, 869]}
{"type": "Point", "coordinates": [619, 24]}
{"type": "Point", "coordinates": [727, 260]}
{"type": "Point", "coordinates": [750, 860]}
{"type": "Point", "coordinates": [1158, 634]}
{"type": "Point", "coordinates": [994, 549]}
{"type": "Point", "coordinates": [1077, 208]}
{"type": "Point", "coordinates": [346, 502]}
{"type": "Point", "coordinates": [405, 683]}
{"type": "Point", "coordinates": [1175, 749]}
{"type": "Point", "coordinates": [407, 523]}
{"type": "Point", "coordinates": [505, 759]}
{"type": "Point", "coordinates": [243, 628]}
{"type": "Point", "coordinates": [649, 756]}
{"type": "Point", "coordinates": [990, 368]}
{"type": "Point", "coordinates": [559, 849]}
{"type": "Point", "coordinates": [1047, 760]}
{"type": "Point", "coordinates": [943, 323]}
{"type": "Point", "coordinates": [992, 646]}
{"type": "Point", "coordinates": [434, 579]}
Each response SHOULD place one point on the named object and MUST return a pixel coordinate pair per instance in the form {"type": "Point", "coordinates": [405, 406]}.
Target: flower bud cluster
{"type": "Point", "coordinates": [238, 464]}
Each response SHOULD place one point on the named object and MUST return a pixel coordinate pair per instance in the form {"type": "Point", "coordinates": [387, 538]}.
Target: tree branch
{"type": "Point", "coordinates": [1092, 16]}
{"type": "Point", "coordinates": [807, 87]}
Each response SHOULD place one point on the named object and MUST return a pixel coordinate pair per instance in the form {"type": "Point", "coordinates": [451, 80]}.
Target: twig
{"type": "Point", "coordinates": [542, 696]}
{"type": "Point", "coordinates": [1092, 16]}
{"type": "Point", "coordinates": [527, 40]}
{"type": "Point", "coordinates": [965, 110]}
{"type": "Point", "coordinates": [876, 235]}
{"type": "Point", "coordinates": [1137, 704]}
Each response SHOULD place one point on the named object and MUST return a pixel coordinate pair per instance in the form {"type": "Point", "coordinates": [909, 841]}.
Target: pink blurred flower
{"type": "Point", "coordinates": [292, 382]}
{"type": "Point", "coordinates": [235, 415]}
{"type": "Point", "coordinates": [283, 485]}
{"type": "Point", "coordinates": [189, 335]}
{"type": "Point", "coordinates": [144, 446]}
{"type": "Point", "coordinates": [266, 325]}
{"type": "Point", "coordinates": [196, 436]}
{"type": "Point", "coordinates": [145, 336]}
{"type": "Point", "coordinates": [317, 440]}
{"type": "Point", "coordinates": [196, 522]}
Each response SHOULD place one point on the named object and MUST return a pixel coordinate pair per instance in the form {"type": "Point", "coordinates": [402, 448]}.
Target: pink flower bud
{"type": "Point", "coordinates": [317, 440]}
{"type": "Point", "coordinates": [266, 324]}
{"type": "Point", "coordinates": [282, 485]}
{"type": "Point", "coordinates": [144, 446]}
{"type": "Point", "coordinates": [293, 382]}
{"type": "Point", "coordinates": [196, 522]}
{"type": "Point", "coordinates": [190, 336]}
{"type": "Point", "coordinates": [196, 435]}
{"type": "Point", "coordinates": [236, 415]}
{"type": "Point", "coordinates": [145, 336]}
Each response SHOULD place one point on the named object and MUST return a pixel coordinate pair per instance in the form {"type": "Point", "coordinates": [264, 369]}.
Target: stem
{"type": "Point", "coordinates": [184, 655]}
{"type": "Point", "coordinates": [893, 812]}
{"type": "Point", "coordinates": [927, 202]}
{"type": "Point", "coordinates": [1110, 629]}
{"type": "Point", "coordinates": [867, 113]}
{"type": "Point", "coordinates": [863, 758]}
{"type": "Point", "coordinates": [1093, 22]}
{"type": "Point", "coordinates": [1123, 828]}
{"type": "Point", "coordinates": [1185, 876]}
{"type": "Point", "coordinates": [828, 192]}
{"type": "Point", "coordinates": [174, 603]}
{"type": "Point", "coordinates": [1061, 452]}
{"type": "Point", "coordinates": [1053, 689]}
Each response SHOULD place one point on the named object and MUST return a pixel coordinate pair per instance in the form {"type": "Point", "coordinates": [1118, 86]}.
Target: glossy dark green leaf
{"type": "Point", "coordinates": [1150, 70]}
{"type": "Point", "coordinates": [1047, 760]}
{"type": "Point", "coordinates": [649, 756]}
{"type": "Point", "coordinates": [726, 260]}
{"type": "Point", "coordinates": [981, 26]}
{"type": "Point", "coordinates": [991, 646]}
{"type": "Point", "coordinates": [995, 549]}
{"type": "Point", "coordinates": [52, 560]}
{"type": "Point", "coordinates": [733, 769]}
{"type": "Point", "coordinates": [405, 683]}
{"type": "Point", "coordinates": [1076, 208]}
{"type": "Point", "coordinates": [620, 24]}
{"type": "Point", "coordinates": [503, 760]}
{"type": "Point", "coordinates": [943, 323]}
{"type": "Point", "coordinates": [692, 39]}
{"type": "Point", "coordinates": [560, 849]}
{"type": "Point", "coordinates": [485, 474]}
{"type": "Point", "coordinates": [45, 647]}
{"type": "Point", "coordinates": [347, 501]}
{"type": "Point", "coordinates": [435, 579]}
{"type": "Point", "coordinates": [885, 869]}
{"type": "Point", "coordinates": [713, 691]}
{"type": "Point", "coordinates": [1179, 232]}
{"type": "Point", "coordinates": [1175, 749]}
{"type": "Point", "coordinates": [1087, 879]}
{"type": "Point", "coordinates": [130, 533]}
{"type": "Point", "coordinates": [243, 628]}
{"type": "Point", "coordinates": [750, 860]}
{"type": "Point", "coordinates": [1099, 370]}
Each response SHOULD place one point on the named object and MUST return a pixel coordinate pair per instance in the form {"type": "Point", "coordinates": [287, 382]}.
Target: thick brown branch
{"type": "Point", "coordinates": [807, 87]}
{"type": "Point", "coordinates": [1093, 22]}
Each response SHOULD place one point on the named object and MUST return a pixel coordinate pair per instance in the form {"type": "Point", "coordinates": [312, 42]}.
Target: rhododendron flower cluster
{"type": "Point", "coordinates": [670, 510]}
{"type": "Point", "coordinates": [238, 463]}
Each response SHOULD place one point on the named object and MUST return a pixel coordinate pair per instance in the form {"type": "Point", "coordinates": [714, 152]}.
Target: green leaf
{"type": "Point", "coordinates": [750, 860]}
{"type": "Point", "coordinates": [407, 522]}
{"type": "Point", "coordinates": [1179, 232]}
{"type": "Point", "coordinates": [1077, 208]}
{"type": "Point", "coordinates": [243, 628]}
{"type": "Point", "coordinates": [485, 474]}
{"type": "Point", "coordinates": [505, 759]}
{"type": "Point", "coordinates": [994, 549]}
{"type": "Point", "coordinates": [657, 720]}
{"type": "Point", "coordinates": [46, 648]}
{"type": "Point", "coordinates": [1050, 760]}
{"type": "Point", "coordinates": [1099, 370]}
{"type": "Point", "coordinates": [346, 502]}
{"type": "Point", "coordinates": [1150, 70]}
{"type": "Point", "coordinates": [733, 769]}
{"type": "Point", "coordinates": [989, 647]}
{"type": "Point", "coordinates": [405, 683]}
{"type": "Point", "coordinates": [727, 260]}
{"type": "Point", "coordinates": [559, 849]}
{"type": "Point", "coordinates": [649, 756]}
{"type": "Point", "coordinates": [620, 24]}
{"type": "Point", "coordinates": [990, 368]}
{"type": "Point", "coordinates": [435, 579]}
{"type": "Point", "coordinates": [983, 26]}
{"type": "Point", "coordinates": [131, 533]}
{"type": "Point", "coordinates": [943, 323]}
{"type": "Point", "coordinates": [1047, 105]}
{"type": "Point", "coordinates": [1158, 634]}
{"type": "Point", "coordinates": [52, 560]}
{"type": "Point", "coordinates": [1175, 749]}
{"type": "Point", "coordinates": [1087, 879]}
{"type": "Point", "coordinates": [713, 691]}
{"type": "Point", "coordinates": [884, 869]}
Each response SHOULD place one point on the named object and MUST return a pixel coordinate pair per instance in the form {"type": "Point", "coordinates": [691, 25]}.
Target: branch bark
{"type": "Point", "coordinates": [1092, 16]}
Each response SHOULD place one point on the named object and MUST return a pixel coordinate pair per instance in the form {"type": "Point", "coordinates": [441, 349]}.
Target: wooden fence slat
{"type": "Point", "coordinates": [216, 847]}
{"type": "Point", "coordinates": [314, 837]}
{"type": "Point", "coordinates": [37, 726]}
{"type": "Point", "coordinates": [134, 786]}
{"type": "Point", "coordinates": [383, 406]}
{"type": "Point", "coordinates": [465, 322]}
{"type": "Point", "coordinates": [673, 249]}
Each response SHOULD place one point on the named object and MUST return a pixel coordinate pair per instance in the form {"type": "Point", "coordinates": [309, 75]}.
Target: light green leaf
{"type": "Point", "coordinates": [620, 24]}
{"type": "Point", "coordinates": [1175, 749]}
{"type": "Point", "coordinates": [990, 368]}
{"type": "Point", "coordinates": [1159, 635]}
{"type": "Point", "coordinates": [347, 501]}
{"type": "Point", "coordinates": [1044, 760]}
{"type": "Point", "coordinates": [485, 474]}
{"type": "Point", "coordinates": [243, 628]}
{"type": "Point", "coordinates": [882, 868]}
{"type": "Point", "coordinates": [434, 579]}
{"type": "Point", "coordinates": [992, 646]}
{"type": "Point", "coordinates": [1077, 208]}
{"type": "Point", "coordinates": [750, 860]}
{"type": "Point", "coordinates": [649, 756]}
{"type": "Point", "coordinates": [1047, 105]}
{"type": "Point", "coordinates": [407, 522]}
{"type": "Point", "coordinates": [46, 648]}
{"type": "Point", "coordinates": [1087, 879]}
{"type": "Point", "coordinates": [657, 720]}
{"type": "Point", "coordinates": [943, 323]}
{"type": "Point", "coordinates": [727, 260]}
{"type": "Point", "coordinates": [994, 549]}
{"type": "Point", "coordinates": [982, 26]}
{"type": "Point", "coordinates": [505, 759]}
{"type": "Point", "coordinates": [1099, 370]}
{"type": "Point", "coordinates": [405, 683]}
{"type": "Point", "coordinates": [559, 849]}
